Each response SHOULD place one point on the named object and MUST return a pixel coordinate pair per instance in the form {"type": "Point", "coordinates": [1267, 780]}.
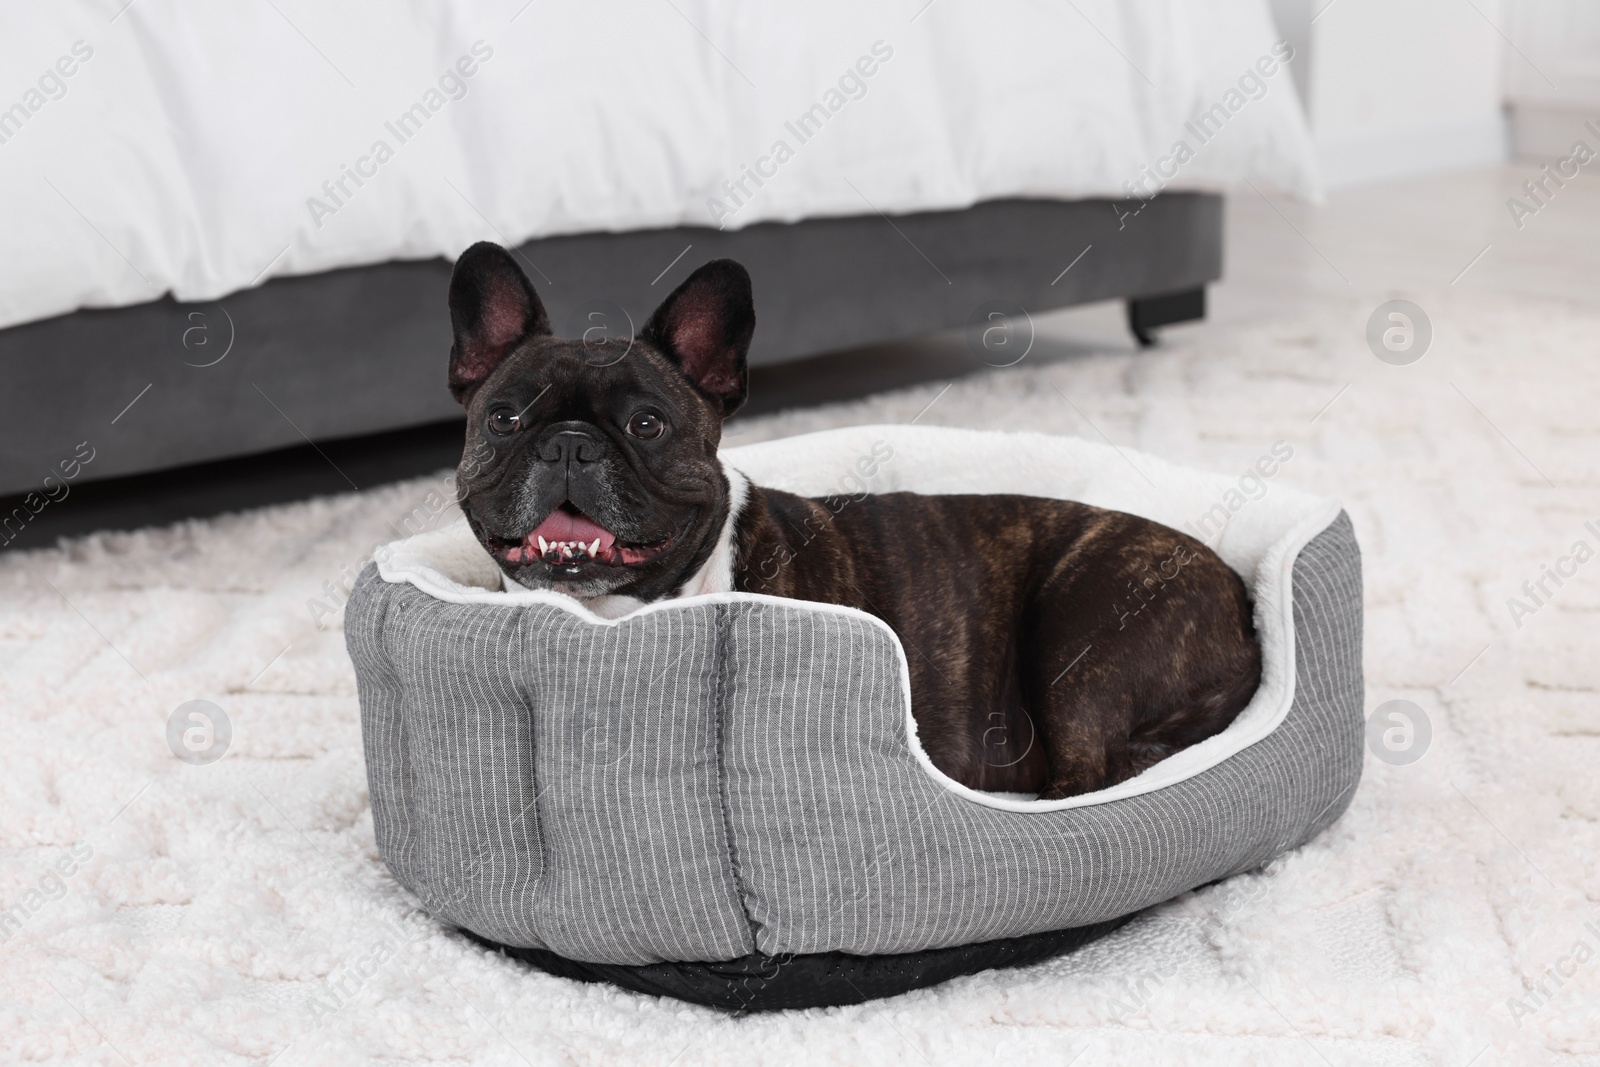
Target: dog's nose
{"type": "Point", "coordinates": [565, 447]}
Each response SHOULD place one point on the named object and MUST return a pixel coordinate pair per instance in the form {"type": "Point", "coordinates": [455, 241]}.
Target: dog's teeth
{"type": "Point", "coordinates": [566, 551]}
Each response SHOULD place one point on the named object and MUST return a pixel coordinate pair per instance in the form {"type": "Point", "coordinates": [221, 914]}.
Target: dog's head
{"type": "Point", "coordinates": [591, 467]}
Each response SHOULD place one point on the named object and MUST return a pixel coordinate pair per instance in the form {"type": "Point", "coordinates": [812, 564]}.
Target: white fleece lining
{"type": "Point", "coordinates": [1261, 541]}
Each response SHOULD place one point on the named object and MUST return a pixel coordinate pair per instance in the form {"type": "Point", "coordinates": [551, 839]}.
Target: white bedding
{"type": "Point", "coordinates": [184, 149]}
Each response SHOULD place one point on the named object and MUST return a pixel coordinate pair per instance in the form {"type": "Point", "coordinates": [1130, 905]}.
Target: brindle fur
{"type": "Point", "coordinates": [1053, 647]}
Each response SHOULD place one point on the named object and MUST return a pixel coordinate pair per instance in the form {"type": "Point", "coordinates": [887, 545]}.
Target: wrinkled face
{"type": "Point", "coordinates": [591, 469]}
{"type": "Point", "coordinates": [593, 472]}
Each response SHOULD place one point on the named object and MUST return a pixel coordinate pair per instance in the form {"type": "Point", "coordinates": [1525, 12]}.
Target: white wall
{"type": "Point", "coordinates": [1402, 87]}
{"type": "Point", "coordinates": [1553, 75]}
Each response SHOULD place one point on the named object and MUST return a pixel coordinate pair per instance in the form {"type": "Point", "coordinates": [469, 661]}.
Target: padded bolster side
{"type": "Point", "coordinates": [626, 722]}
{"type": "Point", "coordinates": [848, 845]}
{"type": "Point", "coordinates": [475, 849]}
{"type": "Point", "coordinates": [1329, 718]}
{"type": "Point", "coordinates": [550, 783]}
{"type": "Point", "coordinates": [815, 754]}
{"type": "Point", "coordinates": [382, 700]}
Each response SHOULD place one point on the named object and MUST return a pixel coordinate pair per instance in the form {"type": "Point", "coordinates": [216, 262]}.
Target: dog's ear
{"type": "Point", "coordinates": [705, 328]}
{"type": "Point", "coordinates": [493, 308]}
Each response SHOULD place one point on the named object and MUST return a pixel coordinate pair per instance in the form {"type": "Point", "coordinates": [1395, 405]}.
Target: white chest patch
{"type": "Point", "coordinates": [716, 574]}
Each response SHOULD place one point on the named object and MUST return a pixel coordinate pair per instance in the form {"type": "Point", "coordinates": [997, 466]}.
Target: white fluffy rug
{"type": "Point", "coordinates": [238, 913]}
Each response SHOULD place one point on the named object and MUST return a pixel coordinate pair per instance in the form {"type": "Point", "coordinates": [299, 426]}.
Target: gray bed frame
{"type": "Point", "coordinates": [355, 352]}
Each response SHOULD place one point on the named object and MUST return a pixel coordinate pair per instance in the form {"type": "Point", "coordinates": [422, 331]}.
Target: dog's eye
{"type": "Point", "coordinates": [504, 421]}
{"type": "Point", "coordinates": [646, 424]}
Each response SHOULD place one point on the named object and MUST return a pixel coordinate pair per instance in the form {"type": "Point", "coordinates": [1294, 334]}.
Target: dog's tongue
{"type": "Point", "coordinates": [568, 524]}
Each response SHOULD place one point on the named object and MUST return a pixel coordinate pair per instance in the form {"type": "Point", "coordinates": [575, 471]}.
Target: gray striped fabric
{"type": "Point", "coordinates": [699, 783]}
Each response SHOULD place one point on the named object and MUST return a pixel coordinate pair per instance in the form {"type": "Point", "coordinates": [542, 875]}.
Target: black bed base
{"type": "Point", "coordinates": [820, 980]}
{"type": "Point", "coordinates": [355, 352]}
{"type": "Point", "coordinates": [1149, 313]}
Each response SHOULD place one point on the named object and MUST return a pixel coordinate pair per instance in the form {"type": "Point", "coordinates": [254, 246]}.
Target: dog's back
{"type": "Point", "coordinates": [1053, 647]}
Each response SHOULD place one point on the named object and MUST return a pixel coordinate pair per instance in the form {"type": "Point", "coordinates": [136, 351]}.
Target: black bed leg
{"type": "Point", "coordinates": [1146, 313]}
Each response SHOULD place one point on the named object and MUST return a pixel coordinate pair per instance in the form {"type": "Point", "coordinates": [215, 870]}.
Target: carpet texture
{"type": "Point", "coordinates": [236, 912]}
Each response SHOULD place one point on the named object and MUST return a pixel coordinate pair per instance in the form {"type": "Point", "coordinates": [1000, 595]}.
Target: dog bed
{"type": "Point", "coordinates": [723, 797]}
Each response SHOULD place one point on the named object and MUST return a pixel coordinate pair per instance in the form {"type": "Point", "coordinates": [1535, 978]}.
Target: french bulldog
{"type": "Point", "coordinates": [1054, 648]}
